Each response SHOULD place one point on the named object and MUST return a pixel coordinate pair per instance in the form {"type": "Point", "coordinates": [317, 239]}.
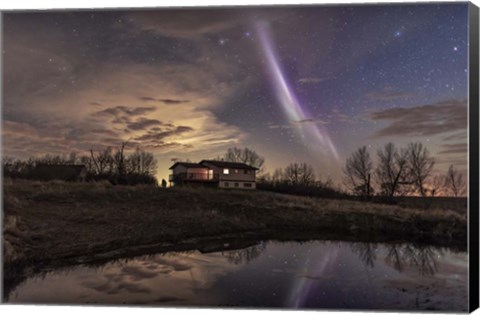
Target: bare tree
{"type": "Point", "coordinates": [88, 162]}
{"type": "Point", "coordinates": [52, 159]}
{"type": "Point", "coordinates": [307, 177]}
{"type": "Point", "coordinates": [103, 160]}
{"type": "Point", "coordinates": [247, 156]}
{"type": "Point", "coordinates": [358, 169]}
{"type": "Point", "coordinates": [278, 176]}
{"type": "Point", "coordinates": [455, 182]}
{"type": "Point", "coordinates": [73, 158]}
{"type": "Point", "coordinates": [436, 185]}
{"type": "Point", "coordinates": [141, 162]}
{"type": "Point", "coordinates": [391, 171]}
{"type": "Point", "coordinates": [119, 159]}
{"type": "Point", "coordinates": [420, 166]}
{"type": "Point", "coordinates": [299, 174]}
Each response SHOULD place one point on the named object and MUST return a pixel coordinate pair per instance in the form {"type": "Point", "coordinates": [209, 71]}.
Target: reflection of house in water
{"type": "Point", "coordinates": [67, 172]}
{"type": "Point", "coordinates": [213, 173]}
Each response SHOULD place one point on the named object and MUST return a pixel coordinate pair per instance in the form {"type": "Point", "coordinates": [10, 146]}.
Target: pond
{"type": "Point", "coordinates": [293, 275]}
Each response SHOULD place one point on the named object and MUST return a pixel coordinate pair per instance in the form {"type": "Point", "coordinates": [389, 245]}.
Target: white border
{"type": "Point", "coordinates": [85, 4]}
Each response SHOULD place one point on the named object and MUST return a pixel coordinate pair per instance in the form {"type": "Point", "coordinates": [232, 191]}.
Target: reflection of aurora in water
{"type": "Point", "coordinates": [302, 285]}
{"type": "Point", "coordinates": [311, 132]}
{"type": "Point", "coordinates": [315, 274]}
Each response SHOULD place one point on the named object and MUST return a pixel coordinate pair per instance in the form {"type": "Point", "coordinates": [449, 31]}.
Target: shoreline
{"type": "Point", "coordinates": [203, 244]}
{"type": "Point", "coordinates": [47, 225]}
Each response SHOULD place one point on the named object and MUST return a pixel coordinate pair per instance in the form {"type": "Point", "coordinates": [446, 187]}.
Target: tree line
{"type": "Point", "coordinates": [295, 178]}
{"type": "Point", "coordinates": [111, 164]}
{"type": "Point", "coordinates": [399, 172]}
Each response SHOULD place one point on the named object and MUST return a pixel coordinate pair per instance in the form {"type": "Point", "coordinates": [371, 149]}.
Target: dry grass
{"type": "Point", "coordinates": [46, 222]}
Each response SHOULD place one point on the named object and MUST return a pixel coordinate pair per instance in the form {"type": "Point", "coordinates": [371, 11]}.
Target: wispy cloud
{"type": "Point", "coordinates": [311, 121]}
{"type": "Point", "coordinates": [298, 123]}
{"type": "Point", "coordinates": [425, 120]}
{"type": "Point", "coordinates": [119, 111]}
{"type": "Point", "coordinates": [312, 80]}
{"type": "Point", "coordinates": [387, 96]}
{"type": "Point", "coordinates": [189, 24]}
{"type": "Point", "coordinates": [143, 123]}
{"type": "Point", "coordinates": [163, 100]}
{"type": "Point", "coordinates": [456, 148]}
{"type": "Point", "coordinates": [457, 136]}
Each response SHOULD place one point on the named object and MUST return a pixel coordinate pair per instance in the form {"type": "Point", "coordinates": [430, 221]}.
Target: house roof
{"type": "Point", "coordinates": [187, 165]}
{"type": "Point", "coordinates": [234, 165]}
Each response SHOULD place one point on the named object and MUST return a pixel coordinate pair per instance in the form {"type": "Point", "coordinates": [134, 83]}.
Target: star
{"type": "Point", "coordinates": [455, 48]}
{"type": "Point", "coordinates": [222, 41]}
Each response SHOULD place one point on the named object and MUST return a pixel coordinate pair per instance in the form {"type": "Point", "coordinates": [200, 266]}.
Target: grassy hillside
{"type": "Point", "coordinates": [45, 223]}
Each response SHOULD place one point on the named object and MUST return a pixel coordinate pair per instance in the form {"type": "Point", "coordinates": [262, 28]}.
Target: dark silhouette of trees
{"type": "Point", "coordinates": [115, 166]}
{"type": "Point", "coordinates": [358, 170]}
{"type": "Point", "coordinates": [141, 162]}
{"type": "Point", "coordinates": [420, 166]}
{"type": "Point", "coordinates": [399, 172]}
{"type": "Point", "coordinates": [299, 174]}
{"type": "Point", "coordinates": [299, 179]}
{"type": "Point", "coordinates": [103, 161]}
{"type": "Point", "coordinates": [245, 155]}
{"type": "Point", "coordinates": [436, 184]}
{"type": "Point", "coordinates": [391, 171]}
{"type": "Point", "coordinates": [278, 176]}
{"type": "Point", "coordinates": [455, 182]}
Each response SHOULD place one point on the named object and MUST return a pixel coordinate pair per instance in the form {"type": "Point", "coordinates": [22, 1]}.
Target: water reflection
{"type": "Point", "coordinates": [367, 252]}
{"type": "Point", "coordinates": [400, 256]}
{"type": "Point", "coordinates": [316, 274]}
{"type": "Point", "coordinates": [244, 255]}
{"type": "Point", "coordinates": [423, 258]}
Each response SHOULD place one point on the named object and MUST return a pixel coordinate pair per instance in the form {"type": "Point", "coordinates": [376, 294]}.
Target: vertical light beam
{"type": "Point", "coordinates": [287, 98]}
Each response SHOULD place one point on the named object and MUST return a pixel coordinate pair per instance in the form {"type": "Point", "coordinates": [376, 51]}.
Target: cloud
{"type": "Point", "coordinates": [188, 24]}
{"type": "Point", "coordinates": [311, 121]}
{"type": "Point", "coordinates": [460, 148]}
{"type": "Point", "coordinates": [63, 94]}
{"type": "Point", "coordinates": [425, 120]}
{"type": "Point", "coordinates": [125, 111]}
{"type": "Point", "coordinates": [387, 95]}
{"type": "Point", "coordinates": [170, 101]}
{"type": "Point", "coordinates": [163, 100]}
{"type": "Point", "coordinates": [160, 135]}
{"type": "Point", "coordinates": [147, 99]}
{"type": "Point", "coordinates": [298, 123]}
{"type": "Point", "coordinates": [143, 123]}
{"type": "Point", "coordinates": [457, 136]}
{"type": "Point", "coordinates": [456, 162]}
{"type": "Point", "coordinates": [312, 80]}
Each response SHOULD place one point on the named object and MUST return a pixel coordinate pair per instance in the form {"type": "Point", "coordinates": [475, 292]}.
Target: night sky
{"type": "Point", "coordinates": [296, 84]}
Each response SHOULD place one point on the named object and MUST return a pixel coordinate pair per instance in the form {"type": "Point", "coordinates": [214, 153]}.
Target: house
{"type": "Point", "coordinates": [66, 172]}
{"type": "Point", "coordinates": [213, 173]}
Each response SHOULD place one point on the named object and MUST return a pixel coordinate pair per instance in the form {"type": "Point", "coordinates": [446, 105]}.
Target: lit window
{"type": "Point", "coordinates": [226, 171]}
{"type": "Point", "coordinates": [236, 171]}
